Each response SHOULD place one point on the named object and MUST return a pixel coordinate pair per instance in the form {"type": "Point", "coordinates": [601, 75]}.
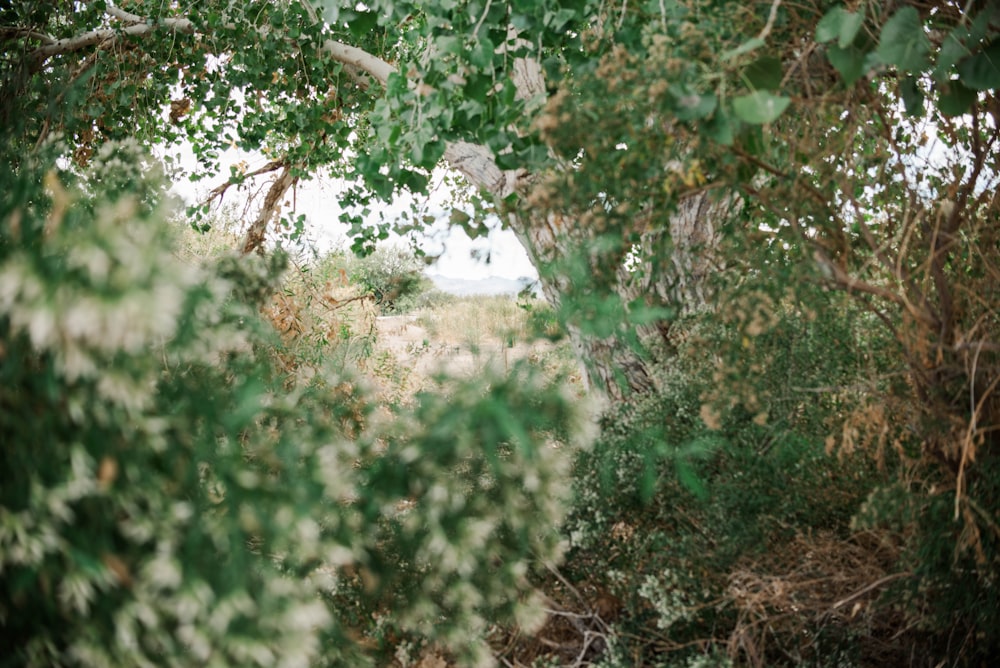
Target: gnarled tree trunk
{"type": "Point", "coordinates": [615, 369]}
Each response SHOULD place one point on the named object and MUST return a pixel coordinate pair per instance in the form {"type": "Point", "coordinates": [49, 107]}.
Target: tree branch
{"type": "Point", "coordinates": [359, 58]}
{"type": "Point", "coordinates": [220, 190]}
{"type": "Point", "coordinates": [15, 33]}
{"type": "Point", "coordinates": [122, 15]}
{"type": "Point", "coordinates": [100, 35]}
{"type": "Point", "coordinates": [841, 278]}
{"type": "Point", "coordinates": [254, 240]}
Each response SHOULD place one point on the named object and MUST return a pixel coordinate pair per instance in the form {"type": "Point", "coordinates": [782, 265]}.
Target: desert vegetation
{"type": "Point", "coordinates": [752, 422]}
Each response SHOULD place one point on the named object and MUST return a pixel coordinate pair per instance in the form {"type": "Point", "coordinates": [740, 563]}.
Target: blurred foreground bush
{"type": "Point", "coordinates": [168, 496]}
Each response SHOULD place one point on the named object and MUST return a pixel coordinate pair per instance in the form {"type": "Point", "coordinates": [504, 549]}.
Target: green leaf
{"type": "Point", "coordinates": [829, 26]}
{"type": "Point", "coordinates": [982, 70]}
{"type": "Point", "coordinates": [903, 42]}
{"type": "Point", "coordinates": [427, 154]}
{"type": "Point", "coordinates": [362, 23]}
{"type": "Point", "coordinates": [482, 53]}
{"type": "Point", "coordinates": [841, 25]}
{"type": "Point", "coordinates": [849, 29]}
{"type": "Point", "coordinates": [413, 181]}
{"type": "Point", "coordinates": [448, 44]}
{"type": "Point", "coordinates": [765, 73]}
{"type": "Point", "coordinates": [647, 481]}
{"type": "Point", "coordinates": [331, 12]}
{"type": "Point", "coordinates": [952, 50]}
{"type": "Point", "coordinates": [692, 106]}
{"type": "Point", "coordinates": [556, 21]}
{"type": "Point", "coordinates": [759, 107]}
{"type": "Point", "coordinates": [745, 47]}
{"type": "Point", "coordinates": [752, 141]}
{"type": "Point", "coordinates": [913, 96]}
{"type": "Point", "coordinates": [849, 62]}
{"type": "Point", "coordinates": [955, 99]}
{"type": "Point", "coordinates": [719, 128]}
{"type": "Point", "coordinates": [956, 44]}
{"type": "Point", "coordinates": [689, 478]}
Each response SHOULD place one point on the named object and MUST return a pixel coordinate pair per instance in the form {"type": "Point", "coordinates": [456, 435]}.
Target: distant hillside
{"type": "Point", "coordinates": [484, 286]}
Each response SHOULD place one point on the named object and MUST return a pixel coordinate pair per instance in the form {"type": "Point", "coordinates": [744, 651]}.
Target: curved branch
{"type": "Point", "coordinates": [100, 35]}
{"type": "Point", "coordinates": [122, 15]}
{"type": "Point", "coordinates": [254, 240]}
{"type": "Point", "coordinates": [360, 59]}
{"type": "Point", "coordinates": [16, 33]}
{"type": "Point", "coordinates": [219, 191]}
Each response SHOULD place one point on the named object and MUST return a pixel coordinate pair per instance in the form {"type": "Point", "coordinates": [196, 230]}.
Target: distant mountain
{"type": "Point", "coordinates": [464, 287]}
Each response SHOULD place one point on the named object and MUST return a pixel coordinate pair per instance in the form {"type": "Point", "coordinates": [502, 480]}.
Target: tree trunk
{"type": "Point", "coordinates": [680, 263]}
{"type": "Point", "coordinates": [615, 369]}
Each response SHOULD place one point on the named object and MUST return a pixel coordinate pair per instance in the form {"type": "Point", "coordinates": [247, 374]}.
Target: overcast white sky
{"type": "Point", "coordinates": [461, 257]}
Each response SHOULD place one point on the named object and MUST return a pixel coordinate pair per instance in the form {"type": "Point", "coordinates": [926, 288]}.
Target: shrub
{"type": "Point", "coordinates": [168, 497]}
{"type": "Point", "coordinates": [687, 531]}
{"type": "Point", "coordinates": [392, 275]}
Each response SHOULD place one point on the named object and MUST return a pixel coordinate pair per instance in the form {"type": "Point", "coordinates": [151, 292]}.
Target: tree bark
{"type": "Point", "coordinates": [681, 261]}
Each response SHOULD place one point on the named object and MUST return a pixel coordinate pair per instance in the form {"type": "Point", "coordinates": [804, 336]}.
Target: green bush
{"type": "Point", "coordinates": [392, 275]}
{"type": "Point", "coordinates": [168, 497]}
{"type": "Point", "coordinates": [669, 509]}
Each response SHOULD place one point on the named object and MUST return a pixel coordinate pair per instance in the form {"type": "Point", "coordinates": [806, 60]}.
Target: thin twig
{"type": "Point", "coordinates": [874, 585]}
{"type": "Point", "coordinates": [770, 21]}
{"type": "Point", "coordinates": [475, 31]}
{"type": "Point", "coordinates": [220, 190]}
{"type": "Point", "coordinates": [967, 454]}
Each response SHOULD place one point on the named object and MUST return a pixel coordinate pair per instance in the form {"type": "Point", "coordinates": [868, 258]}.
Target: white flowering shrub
{"type": "Point", "coordinates": [167, 498]}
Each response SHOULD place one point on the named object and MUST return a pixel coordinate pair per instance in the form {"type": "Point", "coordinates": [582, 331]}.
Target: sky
{"type": "Point", "coordinates": [496, 255]}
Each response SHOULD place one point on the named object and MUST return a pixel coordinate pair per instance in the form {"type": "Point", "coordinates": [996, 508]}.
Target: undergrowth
{"type": "Point", "coordinates": [732, 544]}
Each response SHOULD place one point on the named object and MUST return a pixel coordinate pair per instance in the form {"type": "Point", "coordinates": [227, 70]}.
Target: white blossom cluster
{"type": "Point", "coordinates": [668, 597]}
{"type": "Point", "coordinates": [183, 503]}
{"type": "Point", "coordinates": [95, 303]}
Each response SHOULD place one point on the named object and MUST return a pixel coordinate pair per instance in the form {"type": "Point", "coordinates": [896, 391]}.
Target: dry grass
{"type": "Point", "coordinates": [460, 337]}
{"type": "Point", "coordinates": [478, 320]}
{"type": "Point", "coordinates": [813, 587]}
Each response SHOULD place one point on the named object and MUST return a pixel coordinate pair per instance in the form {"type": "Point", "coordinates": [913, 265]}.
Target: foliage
{"type": "Point", "coordinates": [169, 497]}
{"type": "Point", "coordinates": [676, 522]}
{"type": "Point", "coordinates": [391, 275]}
{"type": "Point", "coordinates": [323, 319]}
{"type": "Point", "coordinates": [686, 158]}
{"type": "Point", "coordinates": [128, 391]}
{"type": "Point", "coordinates": [818, 166]}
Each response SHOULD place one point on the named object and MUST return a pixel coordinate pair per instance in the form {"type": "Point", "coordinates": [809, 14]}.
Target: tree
{"type": "Point", "coordinates": [631, 129]}
{"type": "Point", "coordinates": [314, 93]}
{"type": "Point", "coordinates": [654, 158]}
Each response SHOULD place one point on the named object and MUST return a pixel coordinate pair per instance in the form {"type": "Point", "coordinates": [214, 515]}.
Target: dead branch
{"type": "Point", "coordinates": [254, 240]}
{"type": "Point", "coordinates": [219, 191]}
{"type": "Point", "coordinates": [869, 588]}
